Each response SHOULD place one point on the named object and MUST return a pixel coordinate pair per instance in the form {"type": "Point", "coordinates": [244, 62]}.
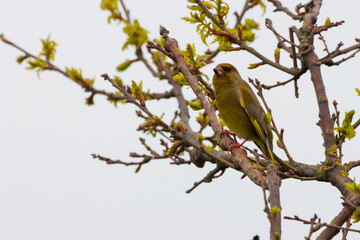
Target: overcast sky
{"type": "Point", "coordinates": [50, 186]}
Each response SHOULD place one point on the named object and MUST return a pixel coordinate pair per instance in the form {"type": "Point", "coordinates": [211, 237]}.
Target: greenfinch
{"type": "Point", "coordinates": [240, 109]}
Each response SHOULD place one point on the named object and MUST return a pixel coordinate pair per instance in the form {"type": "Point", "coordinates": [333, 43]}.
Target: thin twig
{"type": "Point", "coordinates": [345, 232]}
{"type": "Point", "coordinates": [241, 44]}
{"type": "Point", "coordinates": [87, 87]}
{"type": "Point", "coordinates": [262, 184]}
{"type": "Point", "coordinates": [284, 175]}
{"type": "Point", "coordinates": [345, 59]}
{"type": "Point", "coordinates": [208, 178]}
{"type": "Point", "coordinates": [147, 159]}
{"type": "Point", "coordinates": [240, 160]}
{"type": "Point", "coordinates": [211, 54]}
{"type": "Point", "coordinates": [258, 86]}
{"type": "Point", "coordinates": [268, 24]}
{"type": "Point", "coordinates": [291, 33]}
{"type": "Point", "coordinates": [207, 86]}
{"type": "Point", "coordinates": [127, 12]}
{"type": "Point", "coordinates": [280, 8]}
{"type": "Point", "coordinates": [325, 45]}
{"type": "Point", "coordinates": [127, 95]}
{"type": "Point", "coordinates": [337, 52]}
{"type": "Point", "coordinates": [320, 224]}
{"type": "Point", "coordinates": [140, 55]}
{"type": "Point", "coordinates": [240, 16]}
{"type": "Point", "coordinates": [278, 84]}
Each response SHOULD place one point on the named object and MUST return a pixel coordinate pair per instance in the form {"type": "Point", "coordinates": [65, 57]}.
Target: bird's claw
{"type": "Point", "coordinates": [237, 145]}
{"type": "Point", "coordinates": [230, 133]}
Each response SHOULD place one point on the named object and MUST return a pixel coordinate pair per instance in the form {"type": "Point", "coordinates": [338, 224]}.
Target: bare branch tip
{"type": "Point", "coordinates": [105, 76]}
{"type": "Point", "coordinates": [164, 32]}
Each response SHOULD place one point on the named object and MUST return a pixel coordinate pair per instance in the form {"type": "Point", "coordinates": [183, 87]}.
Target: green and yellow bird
{"type": "Point", "coordinates": [240, 109]}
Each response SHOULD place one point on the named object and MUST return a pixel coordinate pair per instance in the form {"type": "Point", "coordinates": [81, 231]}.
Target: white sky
{"type": "Point", "coordinates": [50, 186]}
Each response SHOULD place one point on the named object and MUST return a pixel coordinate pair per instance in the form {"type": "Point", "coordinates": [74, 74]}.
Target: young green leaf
{"type": "Point", "coordinates": [123, 66]}
{"type": "Point", "coordinates": [275, 210]}
{"type": "Point", "coordinates": [358, 91]}
{"type": "Point", "coordinates": [113, 8]}
{"type": "Point", "coordinates": [327, 21]}
{"type": "Point", "coordinates": [356, 217]}
{"type": "Point", "coordinates": [138, 169]}
{"type": "Point", "coordinates": [268, 118]}
{"type": "Point", "coordinates": [75, 75]}
{"type": "Point", "coordinates": [179, 78]}
{"type": "Point", "coordinates": [48, 49]}
{"type": "Point", "coordinates": [38, 65]}
{"type": "Point", "coordinates": [196, 106]}
{"type": "Point", "coordinates": [137, 35]}
{"type": "Point", "coordinates": [136, 89]}
{"type": "Point", "coordinates": [277, 55]}
{"type": "Point", "coordinates": [353, 187]}
{"type": "Point", "coordinates": [347, 129]}
{"type": "Point", "coordinates": [118, 81]}
{"type": "Point", "coordinates": [174, 147]}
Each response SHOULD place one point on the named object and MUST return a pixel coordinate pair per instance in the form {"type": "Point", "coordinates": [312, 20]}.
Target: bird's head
{"type": "Point", "coordinates": [226, 73]}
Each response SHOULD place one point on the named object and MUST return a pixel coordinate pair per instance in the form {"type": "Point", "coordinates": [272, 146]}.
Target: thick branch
{"type": "Point", "coordinates": [312, 63]}
{"type": "Point", "coordinates": [172, 46]}
{"type": "Point", "coordinates": [240, 158]}
{"type": "Point", "coordinates": [334, 174]}
{"type": "Point", "coordinates": [183, 105]}
{"type": "Point", "coordinates": [273, 182]}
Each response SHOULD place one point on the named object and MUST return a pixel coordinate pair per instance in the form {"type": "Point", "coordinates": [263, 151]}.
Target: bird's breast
{"type": "Point", "coordinates": [235, 116]}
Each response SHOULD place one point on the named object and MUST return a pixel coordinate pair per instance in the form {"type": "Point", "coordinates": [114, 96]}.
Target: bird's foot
{"type": "Point", "coordinates": [237, 145]}
{"type": "Point", "coordinates": [230, 133]}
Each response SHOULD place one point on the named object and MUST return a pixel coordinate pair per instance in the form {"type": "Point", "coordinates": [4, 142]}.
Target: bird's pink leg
{"type": "Point", "coordinates": [230, 133]}
{"type": "Point", "coordinates": [236, 145]}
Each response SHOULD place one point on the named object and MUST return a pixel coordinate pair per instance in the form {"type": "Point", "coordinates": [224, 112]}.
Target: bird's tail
{"type": "Point", "coordinates": [266, 149]}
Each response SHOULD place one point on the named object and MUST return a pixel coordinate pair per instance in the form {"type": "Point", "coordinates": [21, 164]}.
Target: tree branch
{"type": "Point", "coordinates": [127, 12]}
{"type": "Point", "coordinates": [280, 8]}
{"type": "Point", "coordinates": [257, 85]}
{"type": "Point", "coordinates": [140, 55]}
{"type": "Point", "coordinates": [333, 175]}
{"type": "Point", "coordinates": [273, 183]}
{"type": "Point", "coordinates": [240, 160]}
{"type": "Point", "coordinates": [311, 61]}
{"type": "Point", "coordinates": [319, 225]}
{"type": "Point", "coordinates": [208, 178]}
{"type": "Point", "coordinates": [243, 46]}
{"type": "Point", "coordinates": [240, 16]}
{"type": "Point", "coordinates": [147, 159]}
{"type": "Point", "coordinates": [337, 52]}
{"type": "Point", "coordinates": [87, 87]}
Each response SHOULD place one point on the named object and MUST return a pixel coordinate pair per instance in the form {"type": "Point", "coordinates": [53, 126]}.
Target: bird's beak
{"type": "Point", "coordinates": [218, 70]}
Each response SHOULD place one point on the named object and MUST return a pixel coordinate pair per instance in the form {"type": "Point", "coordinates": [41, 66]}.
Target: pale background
{"type": "Point", "coordinates": [50, 186]}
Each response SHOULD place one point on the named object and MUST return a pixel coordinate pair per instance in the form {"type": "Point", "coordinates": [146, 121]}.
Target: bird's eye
{"type": "Point", "coordinates": [226, 69]}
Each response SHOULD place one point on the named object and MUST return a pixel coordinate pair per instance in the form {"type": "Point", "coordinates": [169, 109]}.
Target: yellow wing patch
{"type": "Point", "coordinates": [253, 121]}
{"type": "Point", "coordinates": [258, 130]}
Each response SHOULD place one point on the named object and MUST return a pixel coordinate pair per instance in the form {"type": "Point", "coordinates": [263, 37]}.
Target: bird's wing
{"type": "Point", "coordinates": [255, 117]}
